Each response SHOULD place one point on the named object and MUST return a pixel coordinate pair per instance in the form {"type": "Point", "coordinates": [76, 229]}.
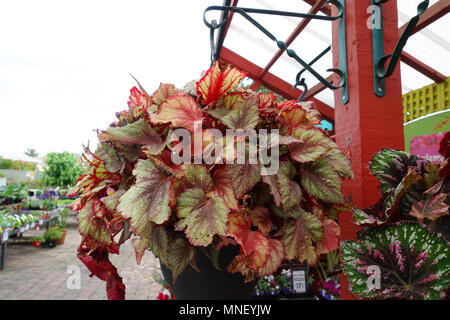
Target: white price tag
{"type": "Point", "coordinates": [27, 227]}
{"type": "Point", "coordinates": [41, 221]}
{"type": "Point", "coordinates": [5, 236]}
{"type": "Point", "coordinates": [299, 281]}
{"type": "Point", "coordinates": [33, 224]}
{"type": "Point", "coordinates": [22, 229]}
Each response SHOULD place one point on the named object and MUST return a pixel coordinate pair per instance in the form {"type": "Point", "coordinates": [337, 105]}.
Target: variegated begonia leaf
{"type": "Point", "coordinates": [339, 162]}
{"type": "Point", "coordinates": [260, 217]}
{"type": "Point", "coordinates": [390, 166]}
{"type": "Point", "coordinates": [216, 83]}
{"type": "Point", "coordinates": [147, 201]}
{"type": "Point", "coordinates": [331, 235]}
{"type": "Point", "coordinates": [197, 176]}
{"type": "Point", "coordinates": [431, 207]}
{"type": "Point", "coordinates": [162, 93]}
{"type": "Point", "coordinates": [254, 244]}
{"type": "Point", "coordinates": [285, 191]}
{"type": "Point", "coordinates": [313, 145]}
{"type": "Point", "coordinates": [201, 217]}
{"type": "Point", "coordinates": [299, 235]}
{"type": "Point", "coordinates": [222, 187]}
{"type": "Point", "coordinates": [112, 201]}
{"type": "Point", "coordinates": [363, 219]}
{"type": "Point", "coordinates": [274, 259]}
{"type": "Point", "coordinates": [294, 114]}
{"type": "Point", "coordinates": [92, 226]}
{"type": "Point", "coordinates": [244, 115]}
{"type": "Point", "coordinates": [112, 160]}
{"type": "Point", "coordinates": [243, 177]}
{"type": "Point", "coordinates": [321, 181]}
{"type": "Point", "coordinates": [294, 212]}
{"type": "Point", "coordinates": [180, 110]}
{"type": "Point", "coordinates": [137, 104]}
{"type": "Point", "coordinates": [138, 132]}
{"type": "Point", "coordinates": [413, 263]}
{"type": "Point", "coordinates": [159, 244]}
{"type": "Point", "coordinates": [181, 254]}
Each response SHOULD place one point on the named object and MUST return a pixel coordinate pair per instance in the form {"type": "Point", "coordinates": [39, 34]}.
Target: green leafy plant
{"type": "Point", "coordinates": [61, 220]}
{"type": "Point", "coordinates": [136, 189]}
{"type": "Point", "coordinates": [53, 234]}
{"type": "Point", "coordinates": [62, 169]}
{"type": "Point", "coordinates": [401, 236]}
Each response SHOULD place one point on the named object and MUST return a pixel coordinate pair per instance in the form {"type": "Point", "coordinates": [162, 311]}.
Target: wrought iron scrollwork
{"type": "Point", "coordinates": [244, 12]}
{"type": "Point", "coordinates": [380, 59]}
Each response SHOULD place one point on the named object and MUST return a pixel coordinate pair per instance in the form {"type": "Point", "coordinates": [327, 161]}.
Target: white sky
{"type": "Point", "coordinates": [64, 65]}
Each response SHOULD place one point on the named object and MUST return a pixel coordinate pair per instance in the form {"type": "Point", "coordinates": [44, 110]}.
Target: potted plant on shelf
{"type": "Point", "coordinates": [259, 184]}
{"type": "Point", "coordinates": [52, 235]}
{"type": "Point", "coordinates": [403, 250]}
{"type": "Point", "coordinates": [61, 223]}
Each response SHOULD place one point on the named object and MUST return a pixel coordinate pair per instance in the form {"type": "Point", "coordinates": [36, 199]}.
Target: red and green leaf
{"type": "Point", "coordinates": [431, 207]}
{"type": "Point", "coordinates": [260, 217]}
{"type": "Point", "coordinates": [298, 237]}
{"type": "Point", "coordinates": [331, 235]}
{"type": "Point", "coordinates": [275, 258]}
{"type": "Point", "coordinates": [164, 91]}
{"type": "Point", "coordinates": [147, 201]}
{"type": "Point", "coordinates": [180, 110]}
{"type": "Point", "coordinates": [92, 226]}
{"type": "Point", "coordinates": [244, 115]}
{"type": "Point", "coordinates": [321, 181]}
{"type": "Point", "coordinates": [201, 217]}
{"type": "Point", "coordinates": [313, 145]}
{"type": "Point", "coordinates": [222, 187]}
{"type": "Point", "coordinates": [243, 177]}
{"type": "Point", "coordinates": [138, 132]}
{"type": "Point", "coordinates": [216, 83]}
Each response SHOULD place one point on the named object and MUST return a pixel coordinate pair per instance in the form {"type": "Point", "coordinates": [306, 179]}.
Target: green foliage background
{"type": "Point", "coordinates": [62, 169]}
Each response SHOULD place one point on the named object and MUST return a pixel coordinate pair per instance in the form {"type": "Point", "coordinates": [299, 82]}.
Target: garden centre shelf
{"type": "Point", "coordinates": [8, 232]}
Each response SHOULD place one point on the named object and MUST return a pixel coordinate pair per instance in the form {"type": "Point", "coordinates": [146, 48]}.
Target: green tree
{"type": "Point", "coordinates": [62, 169]}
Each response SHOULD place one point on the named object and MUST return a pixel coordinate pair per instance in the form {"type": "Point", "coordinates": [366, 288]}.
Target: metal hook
{"type": "Point", "coordinates": [305, 89]}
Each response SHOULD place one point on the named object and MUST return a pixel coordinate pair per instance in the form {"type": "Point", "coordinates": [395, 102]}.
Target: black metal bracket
{"type": "Point", "coordinates": [244, 12]}
{"type": "Point", "coordinates": [380, 73]}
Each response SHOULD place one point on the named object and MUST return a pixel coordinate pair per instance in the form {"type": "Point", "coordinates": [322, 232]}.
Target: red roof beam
{"type": "Point", "coordinates": [300, 27]}
{"type": "Point", "coordinates": [272, 82]}
{"type": "Point", "coordinates": [325, 9]}
{"type": "Point", "coordinates": [426, 70]}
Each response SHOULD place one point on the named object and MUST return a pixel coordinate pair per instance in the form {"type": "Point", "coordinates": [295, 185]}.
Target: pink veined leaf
{"type": "Point", "coordinates": [432, 207]}
{"type": "Point", "coordinates": [222, 187]}
{"type": "Point", "coordinates": [216, 83]}
{"type": "Point", "coordinates": [138, 101]}
{"type": "Point", "coordinates": [92, 226]}
{"type": "Point", "coordinates": [180, 110]}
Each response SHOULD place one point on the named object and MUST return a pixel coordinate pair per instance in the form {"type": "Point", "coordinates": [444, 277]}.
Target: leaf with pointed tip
{"type": "Point", "coordinates": [180, 255]}
{"type": "Point", "coordinates": [363, 219]}
{"type": "Point", "coordinates": [197, 176]}
{"type": "Point", "coordinates": [212, 253]}
{"type": "Point", "coordinates": [112, 160]}
{"type": "Point", "coordinates": [390, 166]}
{"type": "Point", "coordinates": [139, 247]}
{"type": "Point", "coordinates": [254, 244]}
{"type": "Point", "coordinates": [284, 190]}
{"type": "Point", "coordinates": [261, 219]}
{"type": "Point", "coordinates": [413, 262]}
{"type": "Point", "coordinates": [164, 91]}
{"type": "Point", "coordinates": [93, 227]}
{"type": "Point", "coordinates": [216, 83]}
{"type": "Point", "coordinates": [275, 258]}
{"type": "Point", "coordinates": [244, 115]}
{"type": "Point", "coordinates": [243, 177]}
{"type": "Point", "coordinates": [330, 240]}
{"type": "Point", "coordinates": [294, 114]}
{"type": "Point", "coordinates": [159, 244]}
{"type": "Point", "coordinates": [137, 104]}
{"type": "Point", "coordinates": [294, 212]}
{"type": "Point", "coordinates": [147, 201]}
{"type": "Point", "coordinates": [339, 162]}
{"type": "Point", "coordinates": [138, 132]}
{"type": "Point", "coordinates": [201, 217]}
{"type": "Point", "coordinates": [320, 180]}
{"type": "Point", "coordinates": [298, 236]}
{"type": "Point", "coordinates": [314, 144]}
{"type": "Point", "coordinates": [431, 207]}
{"type": "Point", "coordinates": [240, 264]}
{"type": "Point", "coordinates": [180, 110]}
{"type": "Point", "coordinates": [222, 187]}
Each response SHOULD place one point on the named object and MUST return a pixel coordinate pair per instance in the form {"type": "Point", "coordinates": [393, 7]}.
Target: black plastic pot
{"type": "Point", "coordinates": [210, 283]}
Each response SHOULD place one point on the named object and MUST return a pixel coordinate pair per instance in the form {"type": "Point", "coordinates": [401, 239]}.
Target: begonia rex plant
{"type": "Point", "coordinates": [280, 209]}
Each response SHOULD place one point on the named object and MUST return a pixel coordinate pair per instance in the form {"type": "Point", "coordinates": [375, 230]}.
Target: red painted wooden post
{"type": "Point", "coordinates": [367, 122]}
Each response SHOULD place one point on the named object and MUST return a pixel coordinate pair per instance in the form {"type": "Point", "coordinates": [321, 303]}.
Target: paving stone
{"type": "Point", "coordinates": [42, 273]}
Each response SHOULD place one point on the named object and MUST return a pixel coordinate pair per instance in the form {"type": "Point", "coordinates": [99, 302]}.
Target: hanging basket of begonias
{"type": "Point", "coordinates": [211, 164]}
